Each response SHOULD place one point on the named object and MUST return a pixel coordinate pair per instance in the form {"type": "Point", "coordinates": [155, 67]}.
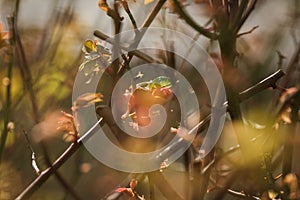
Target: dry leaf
{"type": "Point", "coordinates": [86, 100]}
{"type": "Point", "coordinates": [288, 93]}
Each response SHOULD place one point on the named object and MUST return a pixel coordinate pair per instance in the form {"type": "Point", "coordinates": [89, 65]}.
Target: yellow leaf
{"type": "Point", "coordinates": [148, 1]}
{"type": "Point", "coordinates": [103, 5]}
{"type": "Point", "coordinates": [90, 46]}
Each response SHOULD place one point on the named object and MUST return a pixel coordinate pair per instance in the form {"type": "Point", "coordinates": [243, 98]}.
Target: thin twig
{"type": "Point", "coordinates": [127, 10]}
{"type": "Point", "coordinates": [33, 155]}
{"type": "Point", "coordinates": [290, 137]}
{"type": "Point", "coordinates": [134, 52]}
{"type": "Point", "coordinates": [192, 23]}
{"type": "Point", "coordinates": [25, 71]}
{"type": "Point", "coordinates": [43, 177]}
{"type": "Point", "coordinates": [230, 180]}
{"type": "Point", "coordinates": [205, 176]}
{"type": "Point", "coordinates": [245, 16]}
{"type": "Point", "coordinates": [240, 12]}
{"type": "Point", "coordinates": [247, 32]}
{"type": "Point", "coordinates": [270, 81]}
{"type": "Point", "coordinates": [67, 187]}
{"type": "Point", "coordinates": [162, 184]}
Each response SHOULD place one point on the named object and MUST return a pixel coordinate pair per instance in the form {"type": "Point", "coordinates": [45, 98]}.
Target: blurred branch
{"type": "Point", "coordinates": [229, 181]}
{"type": "Point", "coordinates": [146, 24]}
{"type": "Point", "coordinates": [189, 20]}
{"type": "Point", "coordinates": [136, 53]}
{"type": "Point", "coordinates": [205, 174]}
{"type": "Point", "coordinates": [65, 156]}
{"type": "Point", "coordinates": [244, 17]}
{"type": "Point", "coordinates": [290, 137]}
{"type": "Point", "coordinates": [7, 106]}
{"type": "Point", "coordinates": [292, 66]}
{"type": "Point", "coordinates": [239, 14]}
{"type": "Point", "coordinates": [25, 71]}
{"type": "Point", "coordinates": [164, 187]}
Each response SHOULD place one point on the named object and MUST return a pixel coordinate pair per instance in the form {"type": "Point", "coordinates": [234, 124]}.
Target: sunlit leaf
{"type": "Point", "coordinates": [148, 1]}
{"type": "Point", "coordinates": [90, 46]}
{"type": "Point", "coordinates": [103, 5]}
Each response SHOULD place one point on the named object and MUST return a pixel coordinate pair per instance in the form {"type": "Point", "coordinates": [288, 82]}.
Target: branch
{"type": "Point", "coordinates": [43, 177]}
{"type": "Point", "coordinates": [188, 19]}
{"type": "Point", "coordinates": [136, 53]}
{"type": "Point", "coordinates": [245, 16]}
{"type": "Point", "coordinates": [7, 105]}
{"type": "Point", "coordinates": [247, 32]}
{"type": "Point", "coordinates": [127, 10]}
{"type": "Point", "coordinates": [145, 25]}
{"type": "Point", "coordinates": [163, 185]}
{"type": "Point", "coordinates": [270, 81]}
{"type": "Point", "coordinates": [241, 10]}
{"type": "Point", "coordinates": [24, 70]}
{"type": "Point", "coordinates": [33, 155]}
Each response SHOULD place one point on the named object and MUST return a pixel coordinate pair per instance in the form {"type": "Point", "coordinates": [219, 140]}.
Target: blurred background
{"type": "Point", "coordinates": [52, 34]}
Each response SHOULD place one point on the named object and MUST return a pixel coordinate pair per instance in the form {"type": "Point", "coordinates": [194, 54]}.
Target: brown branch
{"type": "Point", "coordinates": [7, 106]}
{"type": "Point", "coordinates": [239, 14]}
{"type": "Point", "coordinates": [127, 10]}
{"type": "Point", "coordinates": [33, 155]}
{"type": "Point", "coordinates": [270, 81]}
{"type": "Point", "coordinates": [25, 71]}
{"type": "Point", "coordinates": [146, 24]}
{"type": "Point", "coordinates": [136, 53]}
{"type": "Point", "coordinates": [247, 32]}
{"type": "Point", "coordinates": [290, 137]}
{"type": "Point", "coordinates": [245, 16]}
{"type": "Point", "coordinates": [222, 192]}
{"type": "Point", "coordinates": [189, 20]}
{"type": "Point", "coordinates": [206, 174]}
{"type": "Point", "coordinates": [43, 177]}
{"type": "Point", "coordinates": [162, 184]}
